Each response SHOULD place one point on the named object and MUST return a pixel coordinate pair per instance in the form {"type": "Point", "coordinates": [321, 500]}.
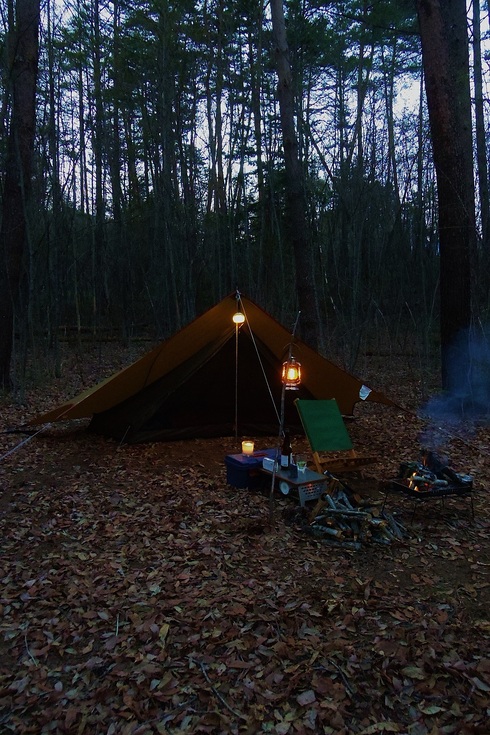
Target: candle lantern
{"type": "Point", "coordinates": [247, 448]}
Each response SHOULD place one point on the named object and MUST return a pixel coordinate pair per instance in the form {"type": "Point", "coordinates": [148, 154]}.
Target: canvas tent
{"type": "Point", "coordinates": [187, 386]}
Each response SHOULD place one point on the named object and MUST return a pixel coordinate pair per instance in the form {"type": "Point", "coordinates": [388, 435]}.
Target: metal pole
{"type": "Point", "coordinates": [281, 427]}
{"type": "Point", "coordinates": [236, 382]}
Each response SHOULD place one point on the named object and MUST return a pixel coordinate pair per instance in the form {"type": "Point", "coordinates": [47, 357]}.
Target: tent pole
{"type": "Point", "coordinates": [281, 427]}
{"type": "Point", "coordinates": [236, 382]}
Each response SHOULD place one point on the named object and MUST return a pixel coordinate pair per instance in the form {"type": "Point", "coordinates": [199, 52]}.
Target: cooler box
{"type": "Point", "coordinates": [244, 470]}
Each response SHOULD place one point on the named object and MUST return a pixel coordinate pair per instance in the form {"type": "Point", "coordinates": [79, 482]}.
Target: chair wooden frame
{"type": "Point", "coordinates": [326, 433]}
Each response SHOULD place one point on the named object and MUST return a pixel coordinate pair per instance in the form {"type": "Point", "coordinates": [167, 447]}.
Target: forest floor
{"type": "Point", "coordinates": [141, 594]}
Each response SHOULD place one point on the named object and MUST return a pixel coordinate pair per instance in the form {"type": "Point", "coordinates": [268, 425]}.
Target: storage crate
{"type": "Point", "coordinates": [243, 471]}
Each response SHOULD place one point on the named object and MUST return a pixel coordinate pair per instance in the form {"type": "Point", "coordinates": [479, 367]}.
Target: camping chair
{"type": "Point", "coordinates": [326, 432]}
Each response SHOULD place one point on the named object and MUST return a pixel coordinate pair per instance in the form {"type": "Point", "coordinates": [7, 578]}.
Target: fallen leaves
{"type": "Point", "coordinates": [140, 594]}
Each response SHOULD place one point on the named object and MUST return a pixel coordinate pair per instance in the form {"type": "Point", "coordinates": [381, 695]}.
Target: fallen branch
{"type": "Point", "coordinates": [33, 658]}
{"type": "Point", "coordinates": [217, 694]}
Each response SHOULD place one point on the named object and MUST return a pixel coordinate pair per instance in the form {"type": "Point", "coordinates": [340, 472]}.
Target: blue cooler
{"type": "Point", "coordinates": [243, 471]}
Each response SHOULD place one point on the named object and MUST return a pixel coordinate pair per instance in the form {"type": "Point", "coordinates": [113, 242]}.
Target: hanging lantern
{"type": "Point", "coordinates": [291, 374]}
{"type": "Point", "coordinates": [238, 318]}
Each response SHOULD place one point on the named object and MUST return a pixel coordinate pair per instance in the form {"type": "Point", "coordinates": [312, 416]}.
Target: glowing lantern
{"type": "Point", "coordinates": [291, 374]}
{"type": "Point", "coordinates": [238, 318]}
{"type": "Point", "coordinates": [247, 448]}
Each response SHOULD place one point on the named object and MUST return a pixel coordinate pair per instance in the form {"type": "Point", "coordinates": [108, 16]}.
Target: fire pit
{"type": "Point", "coordinates": [431, 478]}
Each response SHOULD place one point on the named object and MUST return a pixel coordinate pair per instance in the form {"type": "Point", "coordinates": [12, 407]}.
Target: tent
{"type": "Point", "coordinates": [212, 379]}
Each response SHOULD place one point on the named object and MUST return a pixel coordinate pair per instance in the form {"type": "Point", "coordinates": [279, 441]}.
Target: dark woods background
{"type": "Point", "coordinates": [157, 182]}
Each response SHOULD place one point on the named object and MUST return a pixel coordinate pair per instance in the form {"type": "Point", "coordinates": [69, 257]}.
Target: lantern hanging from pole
{"type": "Point", "coordinates": [291, 374]}
{"type": "Point", "coordinates": [238, 318]}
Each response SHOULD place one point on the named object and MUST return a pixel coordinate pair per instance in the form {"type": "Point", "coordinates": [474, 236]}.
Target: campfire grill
{"type": "Point", "coordinates": [431, 478]}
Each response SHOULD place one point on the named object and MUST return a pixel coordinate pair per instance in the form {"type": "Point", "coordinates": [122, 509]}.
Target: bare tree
{"type": "Point", "coordinates": [297, 229]}
{"type": "Point", "coordinates": [443, 28]}
{"type": "Point", "coordinates": [481, 148]}
{"type": "Point", "coordinates": [18, 171]}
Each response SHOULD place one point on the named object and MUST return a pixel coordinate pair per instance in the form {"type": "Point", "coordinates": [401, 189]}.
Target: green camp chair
{"type": "Point", "coordinates": [326, 433]}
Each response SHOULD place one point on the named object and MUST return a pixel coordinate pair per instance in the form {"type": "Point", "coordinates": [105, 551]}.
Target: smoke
{"type": "Point", "coordinates": [466, 402]}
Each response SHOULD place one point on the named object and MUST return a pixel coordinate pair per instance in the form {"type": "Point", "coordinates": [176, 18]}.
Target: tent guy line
{"type": "Point", "coordinates": [242, 306]}
{"type": "Point", "coordinates": [24, 441]}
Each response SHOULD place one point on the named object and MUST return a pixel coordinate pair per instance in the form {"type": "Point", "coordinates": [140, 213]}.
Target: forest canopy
{"type": "Point", "coordinates": [158, 181]}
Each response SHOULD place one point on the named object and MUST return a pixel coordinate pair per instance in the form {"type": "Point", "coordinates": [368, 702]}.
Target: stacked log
{"type": "Point", "coordinates": [338, 519]}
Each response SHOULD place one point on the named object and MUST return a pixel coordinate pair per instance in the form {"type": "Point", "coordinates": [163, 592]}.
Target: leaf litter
{"type": "Point", "coordinates": [141, 594]}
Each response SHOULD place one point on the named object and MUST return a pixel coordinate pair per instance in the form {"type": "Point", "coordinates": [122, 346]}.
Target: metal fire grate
{"type": "Point", "coordinates": [405, 487]}
{"type": "Point", "coordinates": [432, 478]}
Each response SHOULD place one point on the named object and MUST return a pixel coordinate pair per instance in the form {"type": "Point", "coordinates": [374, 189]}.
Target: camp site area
{"type": "Point", "coordinates": [142, 593]}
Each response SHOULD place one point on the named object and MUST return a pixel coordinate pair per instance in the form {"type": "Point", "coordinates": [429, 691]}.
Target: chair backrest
{"type": "Point", "coordinates": [323, 425]}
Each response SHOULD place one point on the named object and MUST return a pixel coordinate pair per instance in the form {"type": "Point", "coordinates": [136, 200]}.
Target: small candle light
{"type": "Point", "coordinates": [247, 448]}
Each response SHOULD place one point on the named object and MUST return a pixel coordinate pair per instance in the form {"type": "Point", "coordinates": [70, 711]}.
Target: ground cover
{"type": "Point", "coordinates": [141, 594]}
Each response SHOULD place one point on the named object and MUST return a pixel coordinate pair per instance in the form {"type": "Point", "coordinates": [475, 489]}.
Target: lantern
{"type": "Point", "coordinates": [291, 374]}
{"type": "Point", "coordinates": [247, 448]}
{"type": "Point", "coordinates": [238, 318]}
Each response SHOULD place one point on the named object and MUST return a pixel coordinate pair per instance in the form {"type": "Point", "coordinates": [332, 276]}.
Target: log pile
{"type": "Point", "coordinates": [339, 518]}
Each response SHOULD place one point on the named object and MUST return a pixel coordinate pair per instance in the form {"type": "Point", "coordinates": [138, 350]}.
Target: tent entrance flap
{"type": "Point", "coordinates": [126, 419]}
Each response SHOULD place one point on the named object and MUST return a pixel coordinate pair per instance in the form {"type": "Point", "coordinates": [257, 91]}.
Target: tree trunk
{"type": "Point", "coordinates": [446, 68]}
{"type": "Point", "coordinates": [18, 172]}
{"type": "Point", "coordinates": [98, 143]}
{"type": "Point", "coordinates": [389, 91]}
{"type": "Point", "coordinates": [297, 230]}
{"type": "Point", "coordinates": [55, 221]}
{"type": "Point", "coordinates": [481, 147]}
